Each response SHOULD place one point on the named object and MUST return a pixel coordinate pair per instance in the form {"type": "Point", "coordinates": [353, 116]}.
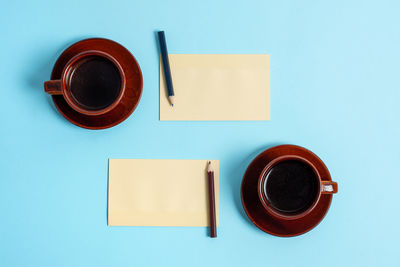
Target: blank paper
{"type": "Point", "coordinates": [159, 192]}
{"type": "Point", "coordinates": [217, 87]}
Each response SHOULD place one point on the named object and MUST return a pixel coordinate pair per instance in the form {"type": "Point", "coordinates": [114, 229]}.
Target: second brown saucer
{"type": "Point", "coordinates": [255, 209]}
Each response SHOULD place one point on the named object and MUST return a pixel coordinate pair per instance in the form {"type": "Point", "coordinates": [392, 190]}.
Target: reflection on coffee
{"type": "Point", "coordinates": [291, 186]}
{"type": "Point", "coordinates": [95, 83]}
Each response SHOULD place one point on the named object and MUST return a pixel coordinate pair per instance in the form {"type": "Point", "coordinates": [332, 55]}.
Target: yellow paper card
{"type": "Point", "coordinates": [217, 87]}
{"type": "Point", "coordinates": [147, 192]}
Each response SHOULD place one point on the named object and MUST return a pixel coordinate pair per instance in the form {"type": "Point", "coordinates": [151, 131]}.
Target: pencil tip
{"type": "Point", "coordinates": [209, 166]}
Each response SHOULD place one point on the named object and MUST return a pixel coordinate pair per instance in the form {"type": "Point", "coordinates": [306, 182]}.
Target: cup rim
{"type": "Point", "coordinates": [66, 88]}
{"type": "Point", "coordinates": [261, 180]}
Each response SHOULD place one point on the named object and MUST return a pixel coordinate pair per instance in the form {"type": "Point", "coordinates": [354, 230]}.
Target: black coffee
{"type": "Point", "coordinates": [291, 186]}
{"type": "Point", "coordinates": [95, 83]}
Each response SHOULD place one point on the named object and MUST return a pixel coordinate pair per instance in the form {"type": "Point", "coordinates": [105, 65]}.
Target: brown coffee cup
{"type": "Point", "coordinates": [290, 186]}
{"type": "Point", "coordinates": [92, 83]}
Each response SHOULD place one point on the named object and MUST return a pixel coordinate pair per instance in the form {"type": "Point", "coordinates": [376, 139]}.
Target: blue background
{"type": "Point", "coordinates": [334, 89]}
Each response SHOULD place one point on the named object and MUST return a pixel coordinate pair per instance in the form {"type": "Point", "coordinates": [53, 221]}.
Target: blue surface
{"type": "Point", "coordinates": [334, 90]}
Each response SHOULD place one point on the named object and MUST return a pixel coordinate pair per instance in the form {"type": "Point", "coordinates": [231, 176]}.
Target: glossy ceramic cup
{"type": "Point", "coordinates": [323, 187]}
{"type": "Point", "coordinates": [63, 85]}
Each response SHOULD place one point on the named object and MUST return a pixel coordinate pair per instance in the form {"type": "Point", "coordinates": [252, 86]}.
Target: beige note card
{"type": "Point", "coordinates": [148, 192]}
{"type": "Point", "coordinates": [217, 87]}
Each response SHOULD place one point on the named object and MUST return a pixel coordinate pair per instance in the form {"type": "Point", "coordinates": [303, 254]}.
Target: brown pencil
{"type": "Point", "coordinates": [211, 194]}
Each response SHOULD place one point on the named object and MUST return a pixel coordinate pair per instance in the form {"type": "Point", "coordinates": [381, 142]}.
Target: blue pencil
{"type": "Point", "coordinates": [167, 70]}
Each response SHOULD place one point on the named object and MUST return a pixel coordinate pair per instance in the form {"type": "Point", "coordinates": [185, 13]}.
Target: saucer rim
{"type": "Point", "coordinates": [68, 54]}
{"type": "Point", "coordinates": [322, 211]}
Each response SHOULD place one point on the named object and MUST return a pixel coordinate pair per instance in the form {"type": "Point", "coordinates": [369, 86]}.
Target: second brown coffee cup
{"type": "Point", "coordinates": [92, 83]}
{"type": "Point", "coordinates": [290, 187]}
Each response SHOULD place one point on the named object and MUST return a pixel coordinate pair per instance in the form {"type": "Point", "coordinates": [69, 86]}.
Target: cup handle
{"type": "Point", "coordinates": [329, 187]}
{"type": "Point", "coordinates": [53, 87]}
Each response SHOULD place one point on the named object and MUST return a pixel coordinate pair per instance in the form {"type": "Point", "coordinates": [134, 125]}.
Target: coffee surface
{"type": "Point", "coordinates": [291, 186]}
{"type": "Point", "coordinates": [95, 83]}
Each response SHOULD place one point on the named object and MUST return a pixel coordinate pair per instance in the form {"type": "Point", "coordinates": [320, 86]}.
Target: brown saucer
{"type": "Point", "coordinates": [130, 99]}
{"type": "Point", "coordinates": [255, 210]}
